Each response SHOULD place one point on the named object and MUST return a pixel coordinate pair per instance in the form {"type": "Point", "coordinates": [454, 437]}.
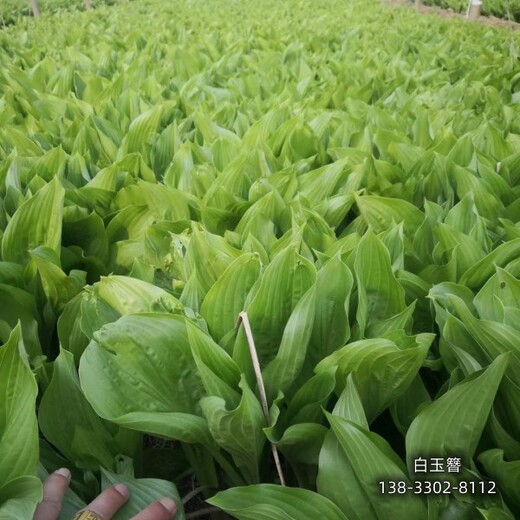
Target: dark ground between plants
{"type": "Point", "coordinates": [450, 13]}
{"type": "Point", "coordinates": [167, 451]}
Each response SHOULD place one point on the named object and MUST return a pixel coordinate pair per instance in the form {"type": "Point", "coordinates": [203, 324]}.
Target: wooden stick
{"type": "Point", "coordinates": [35, 7]}
{"type": "Point", "coordinates": [242, 317]}
{"type": "Point", "coordinates": [194, 492]}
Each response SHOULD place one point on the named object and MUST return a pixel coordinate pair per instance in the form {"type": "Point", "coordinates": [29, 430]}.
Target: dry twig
{"type": "Point", "coordinates": [242, 317]}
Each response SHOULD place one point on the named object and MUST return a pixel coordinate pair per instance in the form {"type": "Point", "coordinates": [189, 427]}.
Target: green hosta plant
{"type": "Point", "coordinates": [344, 174]}
{"type": "Point", "coordinates": [20, 490]}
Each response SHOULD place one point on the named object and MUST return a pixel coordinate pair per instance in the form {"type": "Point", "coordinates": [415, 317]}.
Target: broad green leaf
{"type": "Point", "coordinates": [18, 498]}
{"type": "Point", "coordinates": [183, 427]}
{"type": "Point", "coordinates": [68, 421]}
{"type": "Point", "coordinates": [382, 368]}
{"type": "Point", "coordinates": [501, 437]}
{"type": "Point", "coordinates": [301, 443]}
{"type": "Point", "coordinates": [171, 148]}
{"type": "Point", "coordinates": [25, 146]}
{"type": "Point", "coordinates": [20, 305]}
{"type": "Point", "coordinates": [306, 405]}
{"type": "Point", "coordinates": [86, 230]}
{"type": "Point", "coordinates": [50, 165]}
{"type": "Point", "coordinates": [178, 174]}
{"type": "Point", "coordinates": [494, 338]}
{"type": "Point", "coordinates": [139, 372]}
{"type": "Point", "coordinates": [477, 275]}
{"type": "Point", "coordinates": [226, 298]}
{"type": "Point", "coordinates": [335, 209]}
{"type": "Point", "coordinates": [379, 293]}
{"type": "Point", "coordinates": [405, 408]}
{"type": "Point", "coordinates": [331, 327]}
{"type": "Point", "coordinates": [108, 136]}
{"type": "Point", "coordinates": [141, 130]}
{"type": "Point", "coordinates": [271, 502]}
{"type": "Point", "coordinates": [261, 218]}
{"type": "Point", "coordinates": [371, 460]}
{"type": "Point", "coordinates": [37, 222]}
{"type": "Point", "coordinates": [489, 140]}
{"type": "Point", "coordinates": [224, 151]}
{"type": "Point", "coordinates": [57, 286]}
{"type": "Point", "coordinates": [280, 374]}
{"type": "Point", "coordinates": [128, 295]}
{"type": "Point", "coordinates": [271, 302]}
{"type": "Point", "coordinates": [501, 286]}
{"type": "Point", "coordinates": [508, 405]}
{"type": "Point", "coordinates": [400, 321]}
{"type": "Point", "coordinates": [114, 296]}
{"type": "Point", "coordinates": [463, 151]}
{"type": "Point", "coordinates": [165, 147]}
{"type": "Point", "coordinates": [449, 239]}
{"type": "Point", "coordinates": [130, 223]}
{"type": "Point", "coordinates": [393, 239]}
{"type": "Point", "coordinates": [163, 202]}
{"type": "Point", "coordinates": [512, 317]}
{"type": "Point", "coordinates": [319, 184]}
{"type": "Point", "coordinates": [495, 514]}
{"type": "Point", "coordinates": [380, 213]}
{"type": "Point", "coordinates": [193, 291]}
{"type": "Point", "coordinates": [349, 405]}
{"type": "Point", "coordinates": [466, 361]}
{"type": "Point", "coordinates": [441, 296]}
{"type": "Point", "coordinates": [466, 181]}
{"type": "Point", "coordinates": [335, 474]}
{"type": "Point", "coordinates": [143, 492]}
{"type": "Point", "coordinates": [11, 274]}
{"type": "Point", "coordinates": [218, 372]}
{"type": "Point", "coordinates": [142, 271]}
{"type": "Point", "coordinates": [209, 255]}
{"type": "Point", "coordinates": [505, 473]}
{"type": "Point", "coordinates": [18, 424]}
{"type": "Point", "coordinates": [463, 216]}
{"type": "Point", "coordinates": [335, 469]}
{"type": "Point", "coordinates": [452, 424]}
{"type": "Point", "coordinates": [238, 431]}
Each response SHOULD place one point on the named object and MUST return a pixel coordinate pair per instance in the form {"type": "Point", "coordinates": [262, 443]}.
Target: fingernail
{"type": "Point", "coordinates": [64, 472]}
{"type": "Point", "coordinates": [168, 504]}
{"type": "Point", "coordinates": [122, 490]}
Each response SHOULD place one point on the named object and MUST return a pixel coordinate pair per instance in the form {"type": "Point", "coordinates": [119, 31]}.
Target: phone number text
{"type": "Point", "coordinates": [437, 487]}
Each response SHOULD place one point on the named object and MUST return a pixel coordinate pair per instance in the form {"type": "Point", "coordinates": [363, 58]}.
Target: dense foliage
{"type": "Point", "coordinates": [347, 173]}
{"type": "Point", "coordinates": [12, 11]}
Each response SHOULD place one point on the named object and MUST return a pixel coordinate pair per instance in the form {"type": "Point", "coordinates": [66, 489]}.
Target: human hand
{"type": "Point", "coordinates": [103, 507]}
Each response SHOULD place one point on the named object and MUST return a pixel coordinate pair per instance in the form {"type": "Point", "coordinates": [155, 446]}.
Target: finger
{"type": "Point", "coordinates": [107, 503]}
{"type": "Point", "coordinates": [54, 489]}
{"type": "Point", "coordinates": [165, 509]}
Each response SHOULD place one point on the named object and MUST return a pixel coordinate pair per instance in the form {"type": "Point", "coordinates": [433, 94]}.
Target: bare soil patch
{"type": "Point", "coordinates": [450, 13]}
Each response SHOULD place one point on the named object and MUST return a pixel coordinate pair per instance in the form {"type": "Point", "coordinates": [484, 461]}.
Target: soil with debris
{"type": "Point", "coordinates": [450, 13]}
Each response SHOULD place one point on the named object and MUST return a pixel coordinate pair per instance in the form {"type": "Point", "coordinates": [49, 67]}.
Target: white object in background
{"type": "Point", "coordinates": [474, 7]}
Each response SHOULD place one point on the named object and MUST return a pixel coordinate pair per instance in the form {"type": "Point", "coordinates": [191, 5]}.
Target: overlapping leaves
{"type": "Point", "coordinates": [354, 190]}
